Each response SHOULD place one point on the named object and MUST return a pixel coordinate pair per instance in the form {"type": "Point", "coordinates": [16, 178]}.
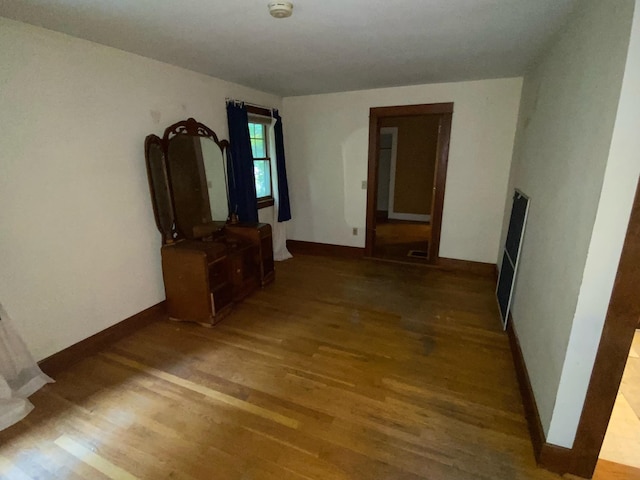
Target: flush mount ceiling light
{"type": "Point", "coordinates": [280, 9]}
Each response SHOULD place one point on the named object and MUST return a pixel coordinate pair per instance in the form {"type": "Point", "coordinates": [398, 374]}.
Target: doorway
{"type": "Point", "coordinates": [621, 446]}
{"type": "Point", "coordinates": [616, 342]}
{"type": "Point", "coordinates": [408, 155]}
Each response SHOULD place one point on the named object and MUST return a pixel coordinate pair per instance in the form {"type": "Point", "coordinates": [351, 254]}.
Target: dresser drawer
{"type": "Point", "coordinates": [218, 274]}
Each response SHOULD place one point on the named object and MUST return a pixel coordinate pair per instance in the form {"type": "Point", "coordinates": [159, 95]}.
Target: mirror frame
{"type": "Point", "coordinates": [189, 127]}
{"type": "Point", "coordinates": [151, 140]}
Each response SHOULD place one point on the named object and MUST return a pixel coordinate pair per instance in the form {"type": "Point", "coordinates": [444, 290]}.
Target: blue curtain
{"type": "Point", "coordinates": [242, 184]}
{"type": "Point", "coordinates": [284, 208]}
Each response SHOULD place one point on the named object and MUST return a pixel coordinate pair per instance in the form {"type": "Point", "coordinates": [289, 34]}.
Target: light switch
{"type": "Point", "coordinates": [364, 184]}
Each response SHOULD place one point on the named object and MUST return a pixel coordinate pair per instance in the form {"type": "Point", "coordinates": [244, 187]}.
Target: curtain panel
{"type": "Point", "coordinates": [20, 375]}
{"type": "Point", "coordinates": [284, 208]}
{"type": "Point", "coordinates": [242, 184]}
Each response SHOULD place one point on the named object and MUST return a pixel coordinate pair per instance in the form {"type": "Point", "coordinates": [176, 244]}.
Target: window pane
{"type": "Point", "coordinates": [262, 172]}
{"type": "Point", "coordinates": [258, 136]}
{"type": "Point", "coordinates": [253, 148]}
{"type": "Point", "coordinates": [257, 147]}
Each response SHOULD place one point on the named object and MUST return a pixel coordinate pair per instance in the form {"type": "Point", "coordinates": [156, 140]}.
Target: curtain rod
{"type": "Point", "coordinates": [271, 109]}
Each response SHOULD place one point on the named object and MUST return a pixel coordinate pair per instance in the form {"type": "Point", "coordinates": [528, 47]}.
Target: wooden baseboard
{"type": "Point", "coordinates": [328, 250]}
{"type": "Point", "coordinates": [479, 268]}
{"type": "Point", "coordinates": [552, 457]}
{"type": "Point", "coordinates": [324, 249]}
{"type": "Point", "coordinates": [64, 359]}
{"type": "Point", "coordinates": [526, 391]}
{"type": "Point", "coordinates": [555, 458]}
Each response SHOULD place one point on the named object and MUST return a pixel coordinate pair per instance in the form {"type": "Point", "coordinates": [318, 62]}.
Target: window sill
{"type": "Point", "coordinates": [265, 202]}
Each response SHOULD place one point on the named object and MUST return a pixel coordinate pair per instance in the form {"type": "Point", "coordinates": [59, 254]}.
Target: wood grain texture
{"type": "Point", "coordinates": [555, 458]}
{"type": "Point", "coordinates": [440, 184]}
{"type": "Point", "coordinates": [324, 249]}
{"type": "Point", "coordinates": [419, 109]}
{"type": "Point", "coordinates": [260, 235]}
{"type": "Point", "coordinates": [395, 239]}
{"type": "Point", "coordinates": [488, 270]}
{"type": "Point", "coordinates": [614, 471]}
{"type": "Point", "coordinates": [343, 369]}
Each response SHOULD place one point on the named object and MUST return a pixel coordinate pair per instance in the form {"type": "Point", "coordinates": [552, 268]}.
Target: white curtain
{"type": "Point", "coordinates": [280, 251]}
{"type": "Point", "coordinates": [20, 375]}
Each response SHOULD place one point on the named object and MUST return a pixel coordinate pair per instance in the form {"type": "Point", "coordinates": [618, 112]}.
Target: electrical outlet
{"type": "Point", "coordinates": [364, 184]}
{"type": "Point", "coordinates": [355, 231]}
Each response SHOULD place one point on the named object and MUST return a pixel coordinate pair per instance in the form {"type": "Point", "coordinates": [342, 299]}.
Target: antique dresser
{"type": "Point", "coordinates": [208, 262]}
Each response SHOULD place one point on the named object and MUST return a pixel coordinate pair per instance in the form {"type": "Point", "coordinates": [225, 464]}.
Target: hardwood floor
{"type": "Point", "coordinates": [341, 369]}
{"type": "Point", "coordinates": [396, 238]}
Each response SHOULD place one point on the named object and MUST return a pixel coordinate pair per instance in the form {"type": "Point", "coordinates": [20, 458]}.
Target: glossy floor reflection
{"type": "Point", "coordinates": [622, 441]}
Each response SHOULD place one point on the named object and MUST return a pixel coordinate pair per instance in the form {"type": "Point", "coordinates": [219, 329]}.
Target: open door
{"type": "Point", "coordinates": [390, 220]}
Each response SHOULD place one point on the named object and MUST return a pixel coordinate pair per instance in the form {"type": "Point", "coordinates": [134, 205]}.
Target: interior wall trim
{"type": "Point", "coordinates": [324, 249]}
{"type": "Point", "coordinates": [62, 360]}
{"type": "Point", "coordinates": [329, 250]}
{"type": "Point", "coordinates": [445, 110]}
{"type": "Point", "coordinates": [551, 457]}
{"type": "Point", "coordinates": [618, 331]}
{"type": "Point", "coordinates": [619, 328]}
{"type": "Point", "coordinates": [479, 268]}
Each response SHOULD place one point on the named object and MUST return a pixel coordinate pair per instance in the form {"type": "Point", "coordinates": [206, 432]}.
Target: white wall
{"type": "Point", "coordinates": [327, 140]}
{"type": "Point", "coordinates": [79, 250]}
{"type": "Point", "coordinates": [567, 115]}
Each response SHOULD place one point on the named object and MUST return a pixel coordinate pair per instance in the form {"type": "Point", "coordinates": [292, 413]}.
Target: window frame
{"type": "Point", "coordinates": [257, 116]}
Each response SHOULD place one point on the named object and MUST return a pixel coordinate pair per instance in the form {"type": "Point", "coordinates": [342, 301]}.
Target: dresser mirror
{"type": "Point", "coordinates": [188, 181]}
{"type": "Point", "coordinates": [190, 193]}
{"type": "Point", "coordinates": [208, 264]}
{"type": "Point", "coordinates": [216, 175]}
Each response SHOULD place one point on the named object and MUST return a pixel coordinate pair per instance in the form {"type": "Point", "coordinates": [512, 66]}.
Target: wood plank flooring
{"type": "Point", "coordinates": [622, 440]}
{"type": "Point", "coordinates": [341, 369]}
{"type": "Point", "coordinates": [395, 238]}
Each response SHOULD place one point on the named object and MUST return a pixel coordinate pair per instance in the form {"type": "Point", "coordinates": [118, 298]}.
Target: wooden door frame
{"type": "Point", "coordinates": [444, 137]}
{"type": "Point", "coordinates": [619, 328]}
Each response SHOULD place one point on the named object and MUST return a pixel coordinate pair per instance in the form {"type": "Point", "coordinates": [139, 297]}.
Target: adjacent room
{"type": "Point", "coordinates": [319, 240]}
{"type": "Point", "coordinates": [622, 440]}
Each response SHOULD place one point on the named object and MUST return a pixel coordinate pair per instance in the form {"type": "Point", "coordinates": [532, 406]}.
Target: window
{"type": "Point", "coordinates": [259, 134]}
